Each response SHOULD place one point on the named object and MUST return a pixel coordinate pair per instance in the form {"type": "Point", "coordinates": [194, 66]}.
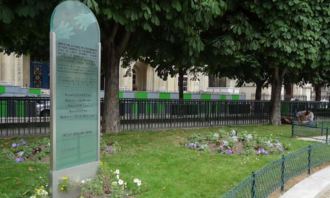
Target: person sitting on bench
{"type": "Point", "coordinates": [305, 117]}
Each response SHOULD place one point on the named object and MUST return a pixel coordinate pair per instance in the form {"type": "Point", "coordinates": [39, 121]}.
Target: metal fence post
{"type": "Point", "coordinates": [292, 129]}
{"type": "Point", "coordinates": [309, 159]}
{"type": "Point", "coordinates": [253, 189]}
{"type": "Point", "coordinates": [326, 136]}
{"type": "Point", "coordinates": [282, 172]}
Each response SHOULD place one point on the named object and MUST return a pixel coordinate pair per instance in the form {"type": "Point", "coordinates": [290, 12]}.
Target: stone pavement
{"type": "Point", "coordinates": [315, 186]}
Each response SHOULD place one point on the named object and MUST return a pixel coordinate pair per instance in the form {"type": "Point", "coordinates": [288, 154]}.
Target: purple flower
{"type": "Point", "coordinates": [262, 151]}
{"type": "Point", "coordinates": [14, 145]}
{"type": "Point", "coordinates": [108, 149]}
{"type": "Point", "coordinates": [229, 152]}
{"type": "Point", "coordinates": [19, 159]}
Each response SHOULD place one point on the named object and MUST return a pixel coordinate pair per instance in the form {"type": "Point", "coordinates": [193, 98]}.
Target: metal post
{"type": "Point", "coordinates": [326, 136]}
{"type": "Point", "coordinates": [322, 129]}
{"type": "Point", "coordinates": [292, 129]}
{"type": "Point", "coordinates": [253, 189]}
{"type": "Point", "coordinates": [309, 158]}
{"type": "Point", "coordinates": [282, 172]}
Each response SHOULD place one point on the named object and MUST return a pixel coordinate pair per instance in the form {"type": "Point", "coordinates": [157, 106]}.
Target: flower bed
{"type": "Point", "coordinates": [22, 150]}
{"type": "Point", "coordinates": [107, 183]}
{"type": "Point", "coordinates": [233, 142]}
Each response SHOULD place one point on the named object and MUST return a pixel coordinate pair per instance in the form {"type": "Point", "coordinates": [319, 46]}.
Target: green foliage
{"type": "Point", "coordinates": [64, 184]}
{"type": "Point", "coordinates": [24, 26]}
{"type": "Point", "coordinates": [261, 35]}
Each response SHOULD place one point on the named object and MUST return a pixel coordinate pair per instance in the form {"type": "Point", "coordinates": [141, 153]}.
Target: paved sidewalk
{"type": "Point", "coordinates": [315, 186]}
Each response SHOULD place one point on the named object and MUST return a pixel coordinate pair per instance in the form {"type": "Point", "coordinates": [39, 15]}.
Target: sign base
{"type": "Point", "coordinates": [76, 175]}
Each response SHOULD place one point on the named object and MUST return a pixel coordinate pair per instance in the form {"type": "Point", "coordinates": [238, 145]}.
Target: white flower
{"type": "Point", "coordinates": [42, 192]}
{"type": "Point", "coordinates": [117, 176]}
{"type": "Point", "coordinates": [216, 135]}
{"type": "Point", "coordinates": [83, 181]}
{"type": "Point", "coordinates": [117, 172]}
{"type": "Point", "coordinates": [234, 138]}
{"type": "Point", "coordinates": [233, 132]}
{"type": "Point", "coordinates": [120, 182]}
{"type": "Point", "coordinates": [137, 181]}
{"type": "Point", "coordinates": [249, 137]}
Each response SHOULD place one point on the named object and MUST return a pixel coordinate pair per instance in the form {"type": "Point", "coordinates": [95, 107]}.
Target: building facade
{"type": "Point", "coordinates": [20, 71]}
{"type": "Point", "coordinates": [14, 70]}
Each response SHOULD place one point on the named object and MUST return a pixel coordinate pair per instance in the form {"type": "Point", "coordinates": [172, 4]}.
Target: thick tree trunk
{"type": "Point", "coordinates": [317, 90]}
{"type": "Point", "coordinates": [288, 88]}
{"type": "Point", "coordinates": [111, 120]}
{"type": "Point", "coordinates": [180, 79]}
{"type": "Point", "coordinates": [115, 41]}
{"type": "Point", "coordinates": [258, 91]}
{"type": "Point", "coordinates": [277, 79]}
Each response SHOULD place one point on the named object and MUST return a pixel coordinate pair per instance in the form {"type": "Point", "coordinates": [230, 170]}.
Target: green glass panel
{"type": "Point", "coordinates": [235, 97]}
{"type": "Point", "coordinates": [20, 109]}
{"type": "Point", "coordinates": [285, 109]}
{"type": "Point", "coordinates": [149, 108]}
{"type": "Point", "coordinates": [3, 108]}
{"type": "Point", "coordinates": [135, 108]}
{"type": "Point", "coordinates": [2, 89]}
{"type": "Point", "coordinates": [160, 108]}
{"type": "Point", "coordinates": [164, 96]}
{"type": "Point", "coordinates": [77, 64]}
{"type": "Point", "coordinates": [223, 97]}
{"type": "Point", "coordinates": [206, 96]}
{"type": "Point", "coordinates": [35, 91]}
{"type": "Point", "coordinates": [187, 96]}
{"type": "Point", "coordinates": [141, 95]}
{"type": "Point", "coordinates": [121, 94]}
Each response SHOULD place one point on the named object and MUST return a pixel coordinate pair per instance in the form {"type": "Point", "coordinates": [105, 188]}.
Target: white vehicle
{"type": "Point", "coordinates": [43, 108]}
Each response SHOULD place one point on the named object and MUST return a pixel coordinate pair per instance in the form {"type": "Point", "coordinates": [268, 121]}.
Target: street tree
{"type": "Point", "coordinates": [284, 34]}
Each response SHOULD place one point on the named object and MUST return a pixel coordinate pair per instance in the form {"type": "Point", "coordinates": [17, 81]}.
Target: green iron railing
{"type": "Point", "coordinates": [318, 130]}
{"type": "Point", "coordinates": [262, 183]}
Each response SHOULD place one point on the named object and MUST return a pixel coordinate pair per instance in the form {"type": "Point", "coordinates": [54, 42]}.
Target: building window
{"type": "Point", "coordinates": [215, 81]}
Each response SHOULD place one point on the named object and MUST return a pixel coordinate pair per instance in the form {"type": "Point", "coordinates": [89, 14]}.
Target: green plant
{"type": "Point", "coordinates": [40, 192]}
{"type": "Point", "coordinates": [64, 184]}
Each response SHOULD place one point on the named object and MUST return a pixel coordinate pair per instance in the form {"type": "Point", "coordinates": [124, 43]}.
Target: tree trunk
{"type": "Point", "coordinates": [288, 88]}
{"type": "Point", "coordinates": [277, 79]}
{"type": "Point", "coordinates": [111, 120]}
{"type": "Point", "coordinates": [181, 74]}
{"type": "Point", "coordinates": [258, 91]}
{"type": "Point", "coordinates": [317, 90]}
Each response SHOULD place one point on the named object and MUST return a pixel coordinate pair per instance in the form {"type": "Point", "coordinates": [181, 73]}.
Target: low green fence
{"type": "Point", "coordinates": [262, 183]}
{"type": "Point", "coordinates": [318, 130]}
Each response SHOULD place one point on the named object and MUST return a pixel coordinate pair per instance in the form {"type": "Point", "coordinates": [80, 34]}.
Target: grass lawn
{"type": "Point", "coordinates": [165, 166]}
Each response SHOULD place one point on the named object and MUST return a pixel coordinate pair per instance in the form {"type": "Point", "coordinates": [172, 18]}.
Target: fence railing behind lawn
{"type": "Point", "coordinates": [23, 116]}
{"type": "Point", "coordinates": [275, 175]}
{"type": "Point", "coordinates": [321, 110]}
{"type": "Point", "coordinates": [30, 115]}
{"type": "Point", "coordinates": [144, 114]}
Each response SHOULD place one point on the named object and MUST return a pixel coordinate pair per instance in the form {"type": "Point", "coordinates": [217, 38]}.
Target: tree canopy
{"type": "Point", "coordinates": [257, 41]}
{"type": "Point", "coordinates": [277, 35]}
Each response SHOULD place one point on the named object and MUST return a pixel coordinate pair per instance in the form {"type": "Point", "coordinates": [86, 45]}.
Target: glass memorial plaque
{"type": "Point", "coordinates": [75, 88]}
